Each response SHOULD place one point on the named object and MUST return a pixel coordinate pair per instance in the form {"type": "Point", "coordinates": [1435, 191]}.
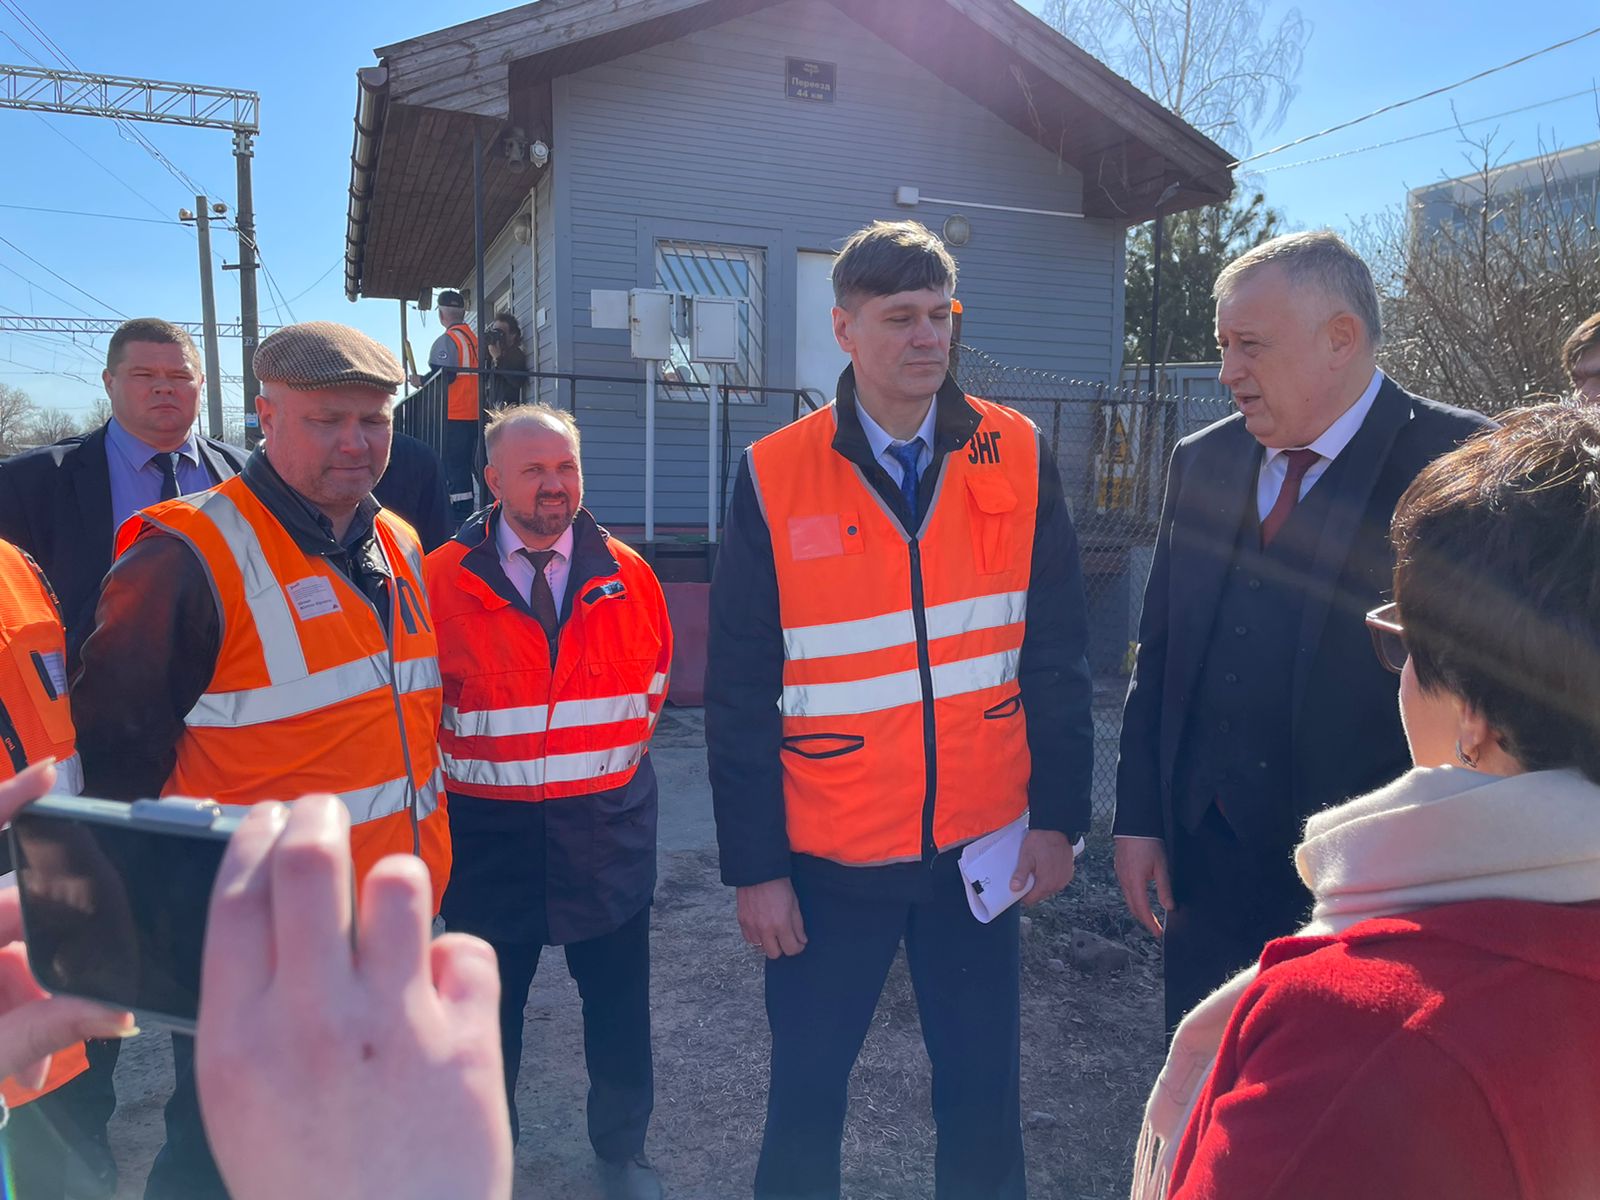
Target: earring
{"type": "Point", "coordinates": [1462, 757]}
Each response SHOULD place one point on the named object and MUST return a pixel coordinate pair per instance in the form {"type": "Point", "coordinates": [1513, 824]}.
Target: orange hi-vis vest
{"type": "Point", "coordinates": [35, 723]}
{"type": "Point", "coordinates": [517, 727]}
{"type": "Point", "coordinates": [310, 693]}
{"type": "Point", "coordinates": [463, 395]}
{"type": "Point", "coordinates": [903, 729]}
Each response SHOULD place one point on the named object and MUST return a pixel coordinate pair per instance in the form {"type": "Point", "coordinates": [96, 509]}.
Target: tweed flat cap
{"type": "Point", "coordinates": [321, 354]}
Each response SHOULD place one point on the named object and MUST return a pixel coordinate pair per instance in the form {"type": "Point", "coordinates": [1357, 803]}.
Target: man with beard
{"type": "Point", "coordinates": [269, 638]}
{"type": "Point", "coordinates": [554, 646]}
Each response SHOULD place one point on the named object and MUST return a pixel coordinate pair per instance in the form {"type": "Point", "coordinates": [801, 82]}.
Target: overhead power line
{"type": "Point", "coordinates": [306, 291]}
{"type": "Point", "coordinates": [35, 285]}
{"type": "Point", "coordinates": [74, 212]}
{"type": "Point", "coordinates": [62, 278]}
{"type": "Point", "coordinates": [1412, 137]}
{"type": "Point", "coordinates": [1388, 108]}
{"type": "Point", "coordinates": [107, 104]}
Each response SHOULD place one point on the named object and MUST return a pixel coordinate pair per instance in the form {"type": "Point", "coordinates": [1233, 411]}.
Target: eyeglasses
{"type": "Point", "coordinates": [1388, 637]}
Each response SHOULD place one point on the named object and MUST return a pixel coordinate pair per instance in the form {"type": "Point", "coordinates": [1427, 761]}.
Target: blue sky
{"type": "Point", "coordinates": [1362, 54]}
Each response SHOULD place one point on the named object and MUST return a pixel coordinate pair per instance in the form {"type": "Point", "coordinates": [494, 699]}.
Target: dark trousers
{"type": "Point", "coordinates": [1232, 897]}
{"type": "Point", "coordinates": [613, 977]}
{"type": "Point", "coordinates": [62, 1134]}
{"type": "Point", "coordinates": [460, 444]}
{"type": "Point", "coordinates": [184, 1168]}
{"type": "Point", "coordinates": [33, 1152]}
{"type": "Point", "coordinates": [820, 1004]}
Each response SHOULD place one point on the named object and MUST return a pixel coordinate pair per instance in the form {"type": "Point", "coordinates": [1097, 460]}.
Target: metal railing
{"type": "Point", "coordinates": [423, 413]}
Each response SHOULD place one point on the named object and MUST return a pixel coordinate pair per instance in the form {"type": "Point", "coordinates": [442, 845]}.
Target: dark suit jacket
{"type": "Point", "coordinates": [1345, 718]}
{"type": "Point", "coordinates": [55, 503]}
{"type": "Point", "coordinates": [413, 487]}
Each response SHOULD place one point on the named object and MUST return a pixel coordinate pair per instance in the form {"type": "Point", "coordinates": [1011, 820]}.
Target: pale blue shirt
{"type": "Point", "coordinates": [880, 441]}
{"type": "Point", "coordinates": [136, 481]}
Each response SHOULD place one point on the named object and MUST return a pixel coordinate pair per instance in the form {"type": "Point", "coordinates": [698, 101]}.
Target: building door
{"type": "Point", "coordinates": [817, 357]}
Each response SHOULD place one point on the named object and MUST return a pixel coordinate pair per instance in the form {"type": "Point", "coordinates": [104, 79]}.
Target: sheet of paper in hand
{"type": "Point", "coordinates": [986, 869]}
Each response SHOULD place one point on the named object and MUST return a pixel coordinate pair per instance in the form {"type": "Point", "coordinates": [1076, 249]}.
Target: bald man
{"type": "Point", "coordinates": [554, 646]}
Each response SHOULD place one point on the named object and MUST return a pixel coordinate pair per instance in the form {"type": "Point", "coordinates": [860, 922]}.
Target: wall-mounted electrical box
{"type": "Point", "coordinates": [713, 329]}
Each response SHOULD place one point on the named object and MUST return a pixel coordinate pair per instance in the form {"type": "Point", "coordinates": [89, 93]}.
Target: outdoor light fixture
{"type": "Point", "coordinates": [957, 230]}
{"type": "Point", "coordinates": [522, 229]}
{"type": "Point", "coordinates": [910, 197]}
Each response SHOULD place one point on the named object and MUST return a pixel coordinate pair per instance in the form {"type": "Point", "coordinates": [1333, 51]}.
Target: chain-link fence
{"type": "Point", "coordinates": [1111, 443]}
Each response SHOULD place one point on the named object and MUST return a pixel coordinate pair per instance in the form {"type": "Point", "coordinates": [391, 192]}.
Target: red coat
{"type": "Point", "coordinates": [1450, 1053]}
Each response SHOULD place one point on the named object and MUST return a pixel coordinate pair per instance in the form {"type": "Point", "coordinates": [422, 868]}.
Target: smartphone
{"type": "Point", "coordinates": [114, 899]}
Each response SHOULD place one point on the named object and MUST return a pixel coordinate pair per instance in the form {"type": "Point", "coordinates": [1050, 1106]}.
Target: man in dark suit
{"type": "Point", "coordinates": [62, 504]}
{"type": "Point", "coordinates": [1255, 699]}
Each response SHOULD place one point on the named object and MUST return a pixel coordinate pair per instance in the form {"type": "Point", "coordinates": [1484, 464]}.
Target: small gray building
{"type": "Point", "coordinates": [727, 147]}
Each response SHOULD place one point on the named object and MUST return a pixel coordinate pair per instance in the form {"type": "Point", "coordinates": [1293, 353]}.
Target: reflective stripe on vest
{"type": "Point", "coordinates": [550, 768]}
{"type": "Point", "coordinates": [570, 714]}
{"type": "Point", "coordinates": [385, 799]}
{"type": "Point", "coordinates": [875, 694]}
{"type": "Point", "coordinates": [256, 706]}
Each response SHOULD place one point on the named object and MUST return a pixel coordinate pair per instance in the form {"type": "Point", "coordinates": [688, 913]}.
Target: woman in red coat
{"type": "Point", "coordinates": [1435, 1030]}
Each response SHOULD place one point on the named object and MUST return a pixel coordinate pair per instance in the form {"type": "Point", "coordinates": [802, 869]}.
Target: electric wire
{"type": "Point", "coordinates": [128, 130]}
{"type": "Point", "coordinates": [74, 212]}
{"type": "Point", "coordinates": [8, 242]}
{"type": "Point", "coordinates": [337, 263]}
{"type": "Point", "coordinates": [1398, 104]}
{"type": "Point", "coordinates": [39, 287]}
{"type": "Point", "coordinates": [1412, 137]}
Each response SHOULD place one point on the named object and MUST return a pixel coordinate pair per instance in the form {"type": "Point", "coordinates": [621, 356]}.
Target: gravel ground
{"type": "Point", "coordinates": [1091, 1046]}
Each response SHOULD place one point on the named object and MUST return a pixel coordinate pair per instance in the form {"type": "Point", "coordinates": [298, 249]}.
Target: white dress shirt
{"type": "Point", "coordinates": [1275, 467]}
{"type": "Point", "coordinates": [520, 571]}
{"type": "Point", "coordinates": [880, 441]}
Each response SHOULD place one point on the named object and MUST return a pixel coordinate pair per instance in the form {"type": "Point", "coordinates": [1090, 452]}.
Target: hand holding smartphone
{"type": "Point", "coordinates": [114, 899]}
{"type": "Point", "coordinates": [33, 1024]}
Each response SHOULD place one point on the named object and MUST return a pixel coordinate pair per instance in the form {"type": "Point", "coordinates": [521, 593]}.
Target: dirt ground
{"type": "Point", "coordinates": [1091, 1044]}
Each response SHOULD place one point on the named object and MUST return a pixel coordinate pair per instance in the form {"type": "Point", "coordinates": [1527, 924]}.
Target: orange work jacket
{"type": "Point", "coordinates": [310, 692]}
{"type": "Point", "coordinates": [35, 722]}
{"type": "Point", "coordinates": [518, 727]}
{"type": "Point", "coordinates": [463, 395]}
{"type": "Point", "coordinates": [903, 729]}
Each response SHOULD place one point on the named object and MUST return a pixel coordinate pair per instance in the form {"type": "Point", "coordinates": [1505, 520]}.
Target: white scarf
{"type": "Point", "coordinates": [1434, 836]}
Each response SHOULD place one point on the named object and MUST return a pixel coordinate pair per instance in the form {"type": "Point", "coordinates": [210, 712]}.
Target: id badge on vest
{"type": "Point", "coordinates": [313, 597]}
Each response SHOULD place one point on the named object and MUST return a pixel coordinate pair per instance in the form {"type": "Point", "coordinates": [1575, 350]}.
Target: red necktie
{"type": "Point", "coordinates": [1299, 463]}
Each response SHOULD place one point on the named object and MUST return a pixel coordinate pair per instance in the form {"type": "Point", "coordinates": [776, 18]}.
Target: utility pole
{"type": "Point", "coordinates": [122, 97]}
{"type": "Point", "coordinates": [208, 314]}
{"type": "Point", "coordinates": [249, 332]}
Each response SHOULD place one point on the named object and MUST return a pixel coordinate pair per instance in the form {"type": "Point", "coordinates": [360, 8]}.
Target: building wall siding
{"type": "Point", "coordinates": [543, 339]}
{"type": "Point", "coordinates": [696, 140]}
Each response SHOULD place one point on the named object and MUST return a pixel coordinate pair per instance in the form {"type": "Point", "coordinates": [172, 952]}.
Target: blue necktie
{"type": "Point", "coordinates": [907, 454]}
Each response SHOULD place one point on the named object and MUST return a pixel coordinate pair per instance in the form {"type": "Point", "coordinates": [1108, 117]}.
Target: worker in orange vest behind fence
{"type": "Point", "coordinates": [555, 645]}
{"type": "Point", "coordinates": [35, 724]}
{"type": "Point", "coordinates": [270, 638]}
{"type": "Point", "coordinates": [455, 357]}
{"type": "Point", "coordinates": [897, 668]}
